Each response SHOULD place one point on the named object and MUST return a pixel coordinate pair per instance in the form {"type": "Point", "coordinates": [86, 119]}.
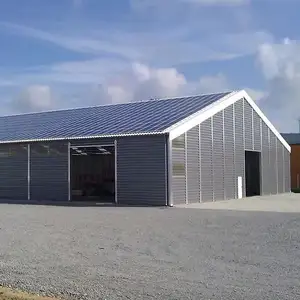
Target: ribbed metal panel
{"type": "Point", "coordinates": [265, 160]}
{"type": "Point", "coordinates": [206, 161]}
{"type": "Point", "coordinates": [256, 131]}
{"type": "Point", "coordinates": [179, 182]}
{"type": "Point", "coordinates": [142, 117]}
{"type": "Point", "coordinates": [13, 172]}
{"type": "Point", "coordinates": [193, 168]}
{"type": "Point", "coordinates": [141, 170]}
{"type": "Point", "coordinates": [248, 126]}
{"type": "Point", "coordinates": [49, 171]}
{"type": "Point", "coordinates": [273, 163]}
{"type": "Point", "coordinates": [287, 171]}
{"type": "Point", "coordinates": [229, 172]}
{"type": "Point", "coordinates": [178, 189]}
{"type": "Point", "coordinates": [218, 157]}
{"type": "Point", "coordinates": [239, 142]}
{"type": "Point", "coordinates": [280, 166]}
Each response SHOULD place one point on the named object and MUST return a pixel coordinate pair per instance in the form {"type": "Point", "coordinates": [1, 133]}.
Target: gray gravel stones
{"type": "Point", "coordinates": [149, 253]}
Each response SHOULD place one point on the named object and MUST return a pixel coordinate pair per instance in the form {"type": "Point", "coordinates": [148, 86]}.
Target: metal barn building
{"type": "Point", "coordinates": [158, 152]}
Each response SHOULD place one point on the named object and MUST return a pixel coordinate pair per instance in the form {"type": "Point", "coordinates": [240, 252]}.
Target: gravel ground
{"type": "Point", "coordinates": [150, 253]}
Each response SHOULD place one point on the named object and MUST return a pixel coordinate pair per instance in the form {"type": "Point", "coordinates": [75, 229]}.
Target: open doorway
{"type": "Point", "coordinates": [252, 170]}
{"type": "Point", "coordinates": [93, 173]}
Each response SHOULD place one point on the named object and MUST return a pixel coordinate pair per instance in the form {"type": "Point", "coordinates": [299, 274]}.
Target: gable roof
{"type": "Point", "coordinates": [217, 106]}
{"type": "Point", "coordinates": [292, 138]}
{"type": "Point", "coordinates": [172, 116]}
{"type": "Point", "coordinates": [133, 118]}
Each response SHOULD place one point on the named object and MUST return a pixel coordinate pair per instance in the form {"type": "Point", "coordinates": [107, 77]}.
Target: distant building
{"type": "Point", "coordinates": [294, 141]}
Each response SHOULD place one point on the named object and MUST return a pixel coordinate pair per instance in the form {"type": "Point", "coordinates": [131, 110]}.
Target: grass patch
{"type": "Point", "coordinates": [9, 294]}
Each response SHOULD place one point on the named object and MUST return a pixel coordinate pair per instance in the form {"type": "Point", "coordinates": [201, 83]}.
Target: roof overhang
{"type": "Point", "coordinates": [70, 138]}
{"type": "Point", "coordinates": [204, 114]}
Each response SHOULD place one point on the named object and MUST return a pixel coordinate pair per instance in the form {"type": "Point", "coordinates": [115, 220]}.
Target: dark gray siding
{"type": "Point", "coordinates": [193, 174]}
{"type": "Point", "coordinates": [206, 164]}
{"type": "Point", "coordinates": [141, 170]}
{"type": "Point", "coordinates": [229, 143]}
{"type": "Point", "coordinates": [218, 157]}
{"type": "Point", "coordinates": [49, 171]}
{"type": "Point", "coordinates": [224, 138]}
{"type": "Point", "coordinates": [13, 172]}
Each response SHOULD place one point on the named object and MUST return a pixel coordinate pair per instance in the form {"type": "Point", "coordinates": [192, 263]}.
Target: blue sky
{"type": "Point", "coordinates": [69, 53]}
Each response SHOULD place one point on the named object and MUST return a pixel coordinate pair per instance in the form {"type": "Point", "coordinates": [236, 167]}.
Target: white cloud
{"type": "Point", "coordinates": [280, 64]}
{"type": "Point", "coordinates": [180, 44]}
{"type": "Point", "coordinates": [140, 82]}
{"type": "Point", "coordinates": [213, 84]}
{"type": "Point", "coordinates": [255, 94]}
{"type": "Point", "coordinates": [34, 98]}
{"type": "Point", "coordinates": [101, 44]}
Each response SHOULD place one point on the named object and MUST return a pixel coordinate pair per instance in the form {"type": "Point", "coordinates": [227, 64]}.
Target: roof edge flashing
{"type": "Point", "coordinates": [59, 139]}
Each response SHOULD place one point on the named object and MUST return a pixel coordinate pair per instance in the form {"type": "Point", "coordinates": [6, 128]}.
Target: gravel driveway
{"type": "Point", "coordinates": [150, 253]}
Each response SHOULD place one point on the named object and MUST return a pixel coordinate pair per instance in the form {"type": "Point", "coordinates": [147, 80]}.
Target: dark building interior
{"type": "Point", "coordinates": [252, 171]}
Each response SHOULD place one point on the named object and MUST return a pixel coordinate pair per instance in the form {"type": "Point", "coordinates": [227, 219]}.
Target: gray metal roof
{"type": "Point", "coordinates": [144, 117]}
{"type": "Point", "coordinates": [292, 138]}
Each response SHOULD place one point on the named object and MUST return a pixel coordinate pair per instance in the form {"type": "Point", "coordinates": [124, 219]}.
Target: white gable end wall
{"type": "Point", "coordinates": [214, 153]}
{"type": "Point", "coordinates": [183, 126]}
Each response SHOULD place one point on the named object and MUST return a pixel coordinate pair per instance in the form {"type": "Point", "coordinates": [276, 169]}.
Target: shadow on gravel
{"type": "Point", "coordinates": [75, 204]}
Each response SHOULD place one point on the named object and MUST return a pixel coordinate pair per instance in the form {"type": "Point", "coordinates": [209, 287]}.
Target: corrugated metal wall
{"type": "Point", "coordinates": [206, 162]}
{"type": "Point", "coordinates": [248, 125]}
{"type": "Point", "coordinates": [222, 157]}
{"type": "Point", "coordinates": [239, 144]}
{"type": "Point", "coordinates": [229, 143]}
{"type": "Point", "coordinates": [13, 172]}
{"type": "Point", "coordinates": [265, 160]}
{"type": "Point", "coordinates": [273, 163]}
{"type": "Point", "coordinates": [218, 157]}
{"type": "Point", "coordinates": [192, 156]}
{"type": "Point", "coordinates": [179, 181]}
{"type": "Point", "coordinates": [49, 171]}
{"type": "Point", "coordinates": [142, 170]}
{"type": "Point", "coordinates": [287, 170]}
{"type": "Point", "coordinates": [179, 162]}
